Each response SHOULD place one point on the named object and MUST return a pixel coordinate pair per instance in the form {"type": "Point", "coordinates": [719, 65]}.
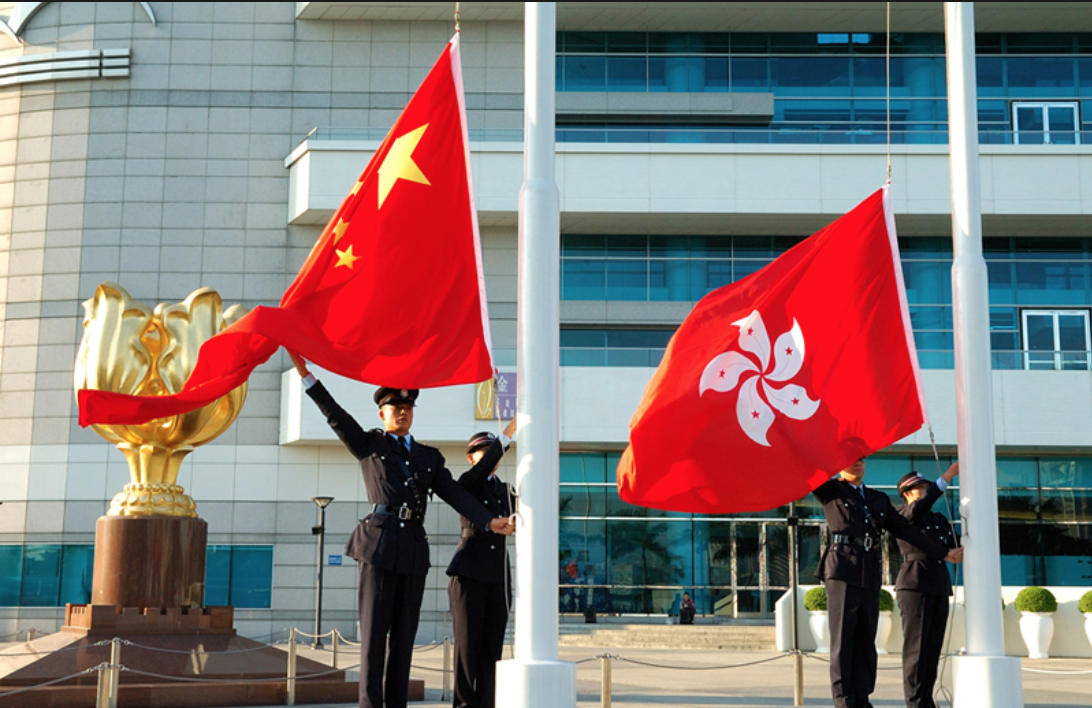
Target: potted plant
{"type": "Point", "coordinates": [883, 627]}
{"type": "Point", "coordinates": [1085, 606]}
{"type": "Point", "coordinates": [815, 602]}
{"type": "Point", "coordinates": [1035, 606]}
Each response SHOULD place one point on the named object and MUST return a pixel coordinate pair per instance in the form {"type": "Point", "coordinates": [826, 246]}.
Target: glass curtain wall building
{"type": "Point", "coordinates": [828, 88]}
{"type": "Point", "coordinates": [832, 87]}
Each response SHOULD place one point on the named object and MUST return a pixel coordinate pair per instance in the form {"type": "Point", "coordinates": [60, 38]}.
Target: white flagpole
{"type": "Point", "coordinates": [535, 677]}
{"type": "Point", "coordinates": [985, 676]}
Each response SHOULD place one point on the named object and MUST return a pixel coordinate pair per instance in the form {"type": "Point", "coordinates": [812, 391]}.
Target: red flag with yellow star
{"type": "Point", "coordinates": [393, 291]}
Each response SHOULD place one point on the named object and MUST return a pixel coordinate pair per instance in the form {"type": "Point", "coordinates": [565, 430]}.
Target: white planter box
{"type": "Point", "coordinates": [1037, 629]}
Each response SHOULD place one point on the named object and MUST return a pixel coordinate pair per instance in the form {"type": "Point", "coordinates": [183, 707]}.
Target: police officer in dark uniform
{"type": "Point", "coordinates": [923, 587]}
{"type": "Point", "coordinates": [390, 543]}
{"type": "Point", "coordinates": [850, 569]}
{"type": "Point", "coordinates": [480, 588]}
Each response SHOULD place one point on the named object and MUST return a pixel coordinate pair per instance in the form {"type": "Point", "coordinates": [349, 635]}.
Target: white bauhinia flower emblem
{"type": "Point", "coordinates": [752, 407]}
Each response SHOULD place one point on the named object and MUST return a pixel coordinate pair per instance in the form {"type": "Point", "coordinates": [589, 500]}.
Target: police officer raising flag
{"type": "Point", "coordinates": [850, 570]}
{"type": "Point", "coordinates": [390, 543]}
{"type": "Point", "coordinates": [923, 587]}
{"type": "Point", "coordinates": [480, 589]}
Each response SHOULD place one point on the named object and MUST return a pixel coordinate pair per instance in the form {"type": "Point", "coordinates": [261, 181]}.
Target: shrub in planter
{"type": "Point", "coordinates": [1085, 605]}
{"type": "Point", "coordinates": [816, 600]}
{"type": "Point", "coordinates": [887, 603]}
{"type": "Point", "coordinates": [1036, 599]}
{"type": "Point", "coordinates": [1035, 605]}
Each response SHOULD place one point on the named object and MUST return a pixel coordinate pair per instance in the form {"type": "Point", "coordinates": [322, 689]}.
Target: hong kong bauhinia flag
{"type": "Point", "coordinates": [777, 381]}
{"type": "Point", "coordinates": [393, 291]}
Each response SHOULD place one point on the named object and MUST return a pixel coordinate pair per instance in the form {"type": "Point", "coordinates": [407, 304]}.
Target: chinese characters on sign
{"type": "Point", "coordinates": [496, 401]}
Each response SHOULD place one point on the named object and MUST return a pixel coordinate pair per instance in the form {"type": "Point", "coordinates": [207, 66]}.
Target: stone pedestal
{"type": "Point", "coordinates": [149, 562]}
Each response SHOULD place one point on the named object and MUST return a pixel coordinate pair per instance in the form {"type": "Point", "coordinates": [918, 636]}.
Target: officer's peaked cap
{"type": "Point", "coordinates": [384, 395]}
{"type": "Point", "coordinates": [479, 440]}
{"type": "Point", "coordinates": [909, 481]}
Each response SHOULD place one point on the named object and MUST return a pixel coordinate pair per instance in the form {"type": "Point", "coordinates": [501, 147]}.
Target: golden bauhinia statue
{"type": "Point", "coordinates": [129, 348]}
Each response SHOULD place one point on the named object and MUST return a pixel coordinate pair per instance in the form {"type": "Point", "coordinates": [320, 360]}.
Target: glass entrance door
{"type": "Point", "coordinates": [1056, 339]}
{"type": "Point", "coordinates": [1045, 123]}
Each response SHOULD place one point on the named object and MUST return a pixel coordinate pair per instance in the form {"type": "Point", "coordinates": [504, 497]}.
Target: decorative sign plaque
{"type": "Point", "coordinates": [496, 400]}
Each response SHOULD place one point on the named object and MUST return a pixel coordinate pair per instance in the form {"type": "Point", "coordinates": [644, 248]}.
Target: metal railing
{"type": "Point", "coordinates": [777, 134]}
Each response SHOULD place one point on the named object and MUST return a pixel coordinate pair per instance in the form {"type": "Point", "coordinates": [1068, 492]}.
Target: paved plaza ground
{"type": "Point", "coordinates": [648, 678]}
{"type": "Point", "coordinates": [757, 686]}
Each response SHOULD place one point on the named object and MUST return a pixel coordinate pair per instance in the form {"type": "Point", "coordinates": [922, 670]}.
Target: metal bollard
{"type": "Point", "coordinates": [115, 672]}
{"type": "Point", "coordinates": [605, 690]}
{"type": "Point", "coordinates": [291, 668]}
{"type": "Point", "coordinates": [446, 694]}
{"type": "Point", "coordinates": [333, 640]}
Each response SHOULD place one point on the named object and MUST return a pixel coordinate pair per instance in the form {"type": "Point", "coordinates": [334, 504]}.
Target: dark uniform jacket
{"type": "Point", "coordinates": [850, 515]}
{"type": "Point", "coordinates": [481, 555]}
{"type": "Point", "coordinates": [919, 572]}
{"type": "Point", "coordinates": [395, 478]}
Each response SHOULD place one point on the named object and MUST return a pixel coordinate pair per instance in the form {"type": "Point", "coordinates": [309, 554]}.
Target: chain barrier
{"type": "Point", "coordinates": [59, 651]}
{"type": "Point", "coordinates": [36, 686]}
{"type": "Point", "coordinates": [275, 679]}
{"type": "Point", "coordinates": [702, 668]}
{"type": "Point", "coordinates": [30, 634]}
{"type": "Point", "coordinates": [301, 633]}
{"type": "Point", "coordinates": [128, 643]}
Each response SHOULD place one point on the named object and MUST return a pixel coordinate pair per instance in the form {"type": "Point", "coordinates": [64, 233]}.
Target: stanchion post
{"type": "Point", "coordinates": [793, 524]}
{"type": "Point", "coordinates": [30, 634]}
{"type": "Point", "coordinates": [102, 688]}
{"type": "Point", "coordinates": [605, 690]}
{"type": "Point", "coordinates": [334, 634]}
{"type": "Point", "coordinates": [447, 670]}
{"type": "Point", "coordinates": [291, 699]}
{"type": "Point", "coordinates": [115, 672]}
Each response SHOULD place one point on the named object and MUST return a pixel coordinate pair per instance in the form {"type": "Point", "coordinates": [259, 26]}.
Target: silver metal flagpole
{"type": "Point", "coordinates": [985, 676]}
{"type": "Point", "coordinates": [535, 677]}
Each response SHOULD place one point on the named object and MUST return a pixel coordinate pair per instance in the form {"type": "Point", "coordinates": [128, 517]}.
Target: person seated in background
{"type": "Point", "coordinates": [686, 609]}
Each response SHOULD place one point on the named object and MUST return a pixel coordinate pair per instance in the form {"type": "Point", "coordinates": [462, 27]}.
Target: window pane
{"type": "Point", "coordinates": [252, 576]}
{"type": "Point", "coordinates": [626, 74]}
{"type": "Point", "coordinates": [585, 73]}
{"type": "Point", "coordinates": [1062, 125]}
{"type": "Point", "coordinates": [11, 573]}
{"type": "Point", "coordinates": [1017, 472]}
{"type": "Point", "coordinates": [1063, 472]}
{"type": "Point", "coordinates": [41, 576]}
{"type": "Point", "coordinates": [218, 575]}
{"type": "Point", "coordinates": [583, 467]}
{"type": "Point", "coordinates": [78, 565]}
{"type": "Point", "coordinates": [627, 280]}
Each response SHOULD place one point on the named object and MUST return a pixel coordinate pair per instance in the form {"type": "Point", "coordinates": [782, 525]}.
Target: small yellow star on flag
{"type": "Point", "coordinates": [399, 164]}
{"type": "Point", "coordinates": [339, 230]}
{"type": "Point", "coordinates": [346, 258]}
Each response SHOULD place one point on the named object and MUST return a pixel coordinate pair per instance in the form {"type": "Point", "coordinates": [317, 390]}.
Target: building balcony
{"type": "Point", "coordinates": [1033, 411]}
{"type": "Point", "coordinates": [764, 188]}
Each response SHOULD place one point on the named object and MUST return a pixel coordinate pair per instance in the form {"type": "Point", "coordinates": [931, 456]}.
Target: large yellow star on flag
{"type": "Point", "coordinates": [399, 164]}
{"type": "Point", "coordinates": [346, 257]}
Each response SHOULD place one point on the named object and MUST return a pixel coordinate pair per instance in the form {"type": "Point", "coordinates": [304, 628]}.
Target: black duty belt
{"type": "Point", "coordinates": [402, 512]}
{"type": "Point", "coordinates": [865, 542]}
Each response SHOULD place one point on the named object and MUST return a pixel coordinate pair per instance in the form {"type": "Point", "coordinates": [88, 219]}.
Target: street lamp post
{"type": "Point", "coordinates": [320, 531]}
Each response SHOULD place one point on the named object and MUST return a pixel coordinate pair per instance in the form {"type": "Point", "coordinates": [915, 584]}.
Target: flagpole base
{"type": "Point", "coordinates": [536, 684]}
{"type": "Point", "coordinates": [987, 681]}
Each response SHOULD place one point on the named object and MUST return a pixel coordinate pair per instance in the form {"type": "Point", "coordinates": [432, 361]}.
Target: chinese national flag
{"type": "Point", "coordinates": [776, 382]}
{"type": "Point", "coordinates": [393, 291]}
